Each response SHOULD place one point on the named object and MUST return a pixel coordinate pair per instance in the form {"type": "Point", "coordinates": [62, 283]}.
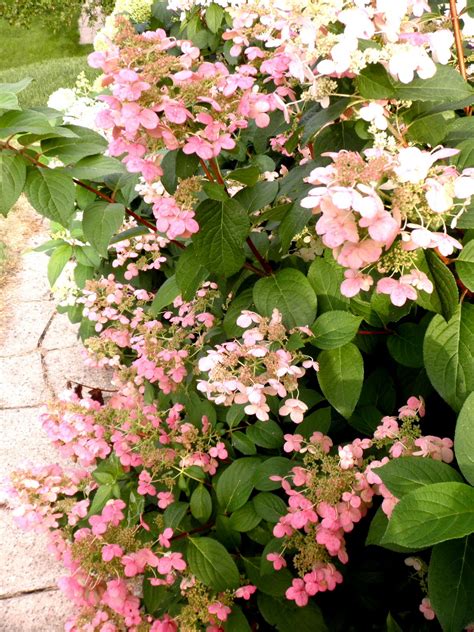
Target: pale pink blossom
{"type": "Point", "coordinates": [295, 408]}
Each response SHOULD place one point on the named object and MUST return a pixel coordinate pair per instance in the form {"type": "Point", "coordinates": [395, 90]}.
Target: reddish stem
{"type": "Point", "coordinates": [209, 175]}
{"type": "Point", "coordinates": [215, 169]}
{"type": "Point", "coordinates": [100, 194]}
{"type": "Point", "coordinates": [249, 266]}
{"type": "Point", "coordinates": [111, 200]}
{"type": "Point", "coordinates": [265, 265]}
{"type": "Point", "coordinates": [459, 45]}
{"type": "Point", "coordinates": [383, 332]}
{"type": "Point", "coordinates": [185, 534]}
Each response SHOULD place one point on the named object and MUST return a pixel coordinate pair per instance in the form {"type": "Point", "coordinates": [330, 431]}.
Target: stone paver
{"type": "Point", "coordinates": [39, 351]}
{"type": "Point", "coordinates": [61, 333]}
{"type": "Point", "coordinates": [38, 612]}
{"type": "Point", "coordinates": [21, 381]}
{"type": "Point", "coordinates": [35, 317]}
{"type": "Point", "coordinates": [68, 364]}
{"type": "Point", "coordinates": [20, 427]}
{"type": "Point", "coordinates": [26, 562]}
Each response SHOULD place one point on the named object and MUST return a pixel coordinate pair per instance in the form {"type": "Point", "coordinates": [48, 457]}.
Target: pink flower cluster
{"type": "Point", "coordinates": [107, 300]}
{"type": "Point", "coordinates": [163, 95]}
{"type": "Point", "coordinates": [323, 577]}
{"type": "Point", "coordinates": [35, 491]}
{"type": "Point", "coordinates": [333, 491]}
{"type": "Point", "coordinates": [73, 427]}
{"type": "Point", "coordinates": [139, 253]}
{"type": "Point", "coordinates": [248, 372]}
{"type": "Point", "coordinates": [162, 347]}
{"type": "Point", "coordinates": [379, 210]}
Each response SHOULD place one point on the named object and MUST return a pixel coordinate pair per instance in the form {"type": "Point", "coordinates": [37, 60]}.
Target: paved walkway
{"type": "Point", "coordinates": [39, 352]}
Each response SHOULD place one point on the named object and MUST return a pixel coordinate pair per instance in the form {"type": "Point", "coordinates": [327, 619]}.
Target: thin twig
{"type": "Point", "coordinates": [185, 534]}
{"type": "Point", "coordinates": [100, 194]}
{"type": "Point", "coordinates": [382, 332]}
{"type": "Point", "coordinates": [209, 175]}
{"type": "Point", "coordinates": [459, 45]}
{"type": "Point", "coordinates": [215, 169]}
{"type": "Point", "coordinates": [265, 265]}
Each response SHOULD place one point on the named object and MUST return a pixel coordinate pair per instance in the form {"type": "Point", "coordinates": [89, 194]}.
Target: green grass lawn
{"type": "Point", "coordinates": [22, 46]}
{"type": "Point", "coordinates": [52, 59]}
{"type": "Point", "coordinates": [48, 76]}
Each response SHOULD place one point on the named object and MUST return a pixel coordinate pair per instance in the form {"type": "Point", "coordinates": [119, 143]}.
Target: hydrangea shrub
{"type": "Point", "coordinates": [266, 237]}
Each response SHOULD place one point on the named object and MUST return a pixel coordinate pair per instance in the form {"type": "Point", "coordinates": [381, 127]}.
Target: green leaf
{"type": "Point", "coordinates": [57, 261]}
{"type": "Point", "coordinates": [101, 496]}
{"type": "Point", "coordinates": [100, 222]}
{"type": "Point", "coordinates": [219, 243]}
{"type": "Point", "coordinates": [295, 219]}
{"type": "Point", "coordinates": [448, 352]}
{"type": "Point", "coordinates": [403, 475]}
{"type": "Point", "coordinates": [464, 439]}
{"type": "Point", "coordinates": [257, 197]}
{"type": "Point", "coordinates": [157, 599]}
{"type": "Point", "coordinates": [245, 518]}
{"type": "Point", "coordinates": [319, 420]}
{"type": "Point", "coordinates": [288, 617]}
{"type": "Point", "coordinates": [432, 514]}
{"type": "Point", "coordinates": [16, 87]}
{"type": "Point", "coordinates": [466, 155]}
{"type": "Point", "coordinates": [444, 283]}
{"type": "Point", "coordinates": [316, 117]}
{"type": "Point", "coordinates": [70, 150]}
{"type": "Point", "coordinates": [334, 329]}
{"type": "Point", "coordinates": [429, 129]}
{"type": "Point", "coordinates": [24, 121]}
{"type": "Point", "coordinates": [266, 434]}
{"type": "Point", "coordinates": [340, 376]}
{"type": "Point", "coordinates": [248, 175]}
{"type": "Point", "coordinates": [215, 191]}
{"type": "Point", "coordinates": [275, 465]}
{"type": "Point", "coordinates": [8, 101]}
{"type": "Point", "coordinates": [446, 85]}
{"type": "Point", "coordinates": [392, 625]}
{"type": "Point", "coordinates": [243, 444]}
{"type": "Point", "coordinates": [212, 564]}
{"type": "Point", "coordinates": [459, 129]}
{"type": "Point", "coordinates": [174, 514]}
{"type": "Point", "coordinates": [235, 484]}
{"type": "Point", "coordinates": [166, 294]}
{"type": "Point", "coordinates": [190, 274]}
{"type": "Point", "coordinates": [269, 506]}
{"type": "Point", "coordinates": [382, 306]}
{"type": "Point", "coordinates": [214, 16]}
{"type": "Point", "coordinates": [373, 82]}
{"type": "Point", "coordinates": [465, 265]}
{"type": "Point", "coordinates": [326, 278]}
{"type": "Point", "coordinates": [95, 168]}
{"type": "Point", "coordinates": [236, 621]}
{"type": "Point", "coordinates": [467, 218]}
{"type": "Point", "coordinates": [406, 345]}
{"type": "Point", "coordinates": [290, 292]}
{"type": "Point", "coordinates": [241, 302]}
{"type": "Point", "coordinates": [51, 193]}
{"type": "Point", "coordinates": [201, 504]}
{"type": "Point", "coordinates": [12, 179]}
{"type": "Point", "coordinates": [450, 583]}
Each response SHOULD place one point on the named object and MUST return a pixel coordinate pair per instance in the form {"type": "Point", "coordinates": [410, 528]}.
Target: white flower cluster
{"type": "Point", "coordinates": [78, 104]}
{"type": "Point", "coordinates": [138, 11]}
